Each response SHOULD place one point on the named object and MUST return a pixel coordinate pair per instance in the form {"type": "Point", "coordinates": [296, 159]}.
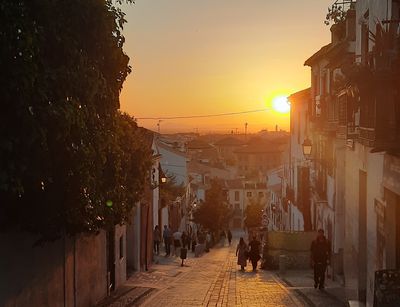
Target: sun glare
{"type": "Point", "coordinates": [281, 104]}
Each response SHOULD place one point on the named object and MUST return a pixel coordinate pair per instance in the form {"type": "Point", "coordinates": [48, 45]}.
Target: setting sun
{"type": "Point", "coordinates": [281, 104]}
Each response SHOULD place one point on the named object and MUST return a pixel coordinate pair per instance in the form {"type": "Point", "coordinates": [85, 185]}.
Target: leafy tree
{"type": "Point", "coordinates": [337, 12]}
{"type": "Point", "coordinates": [170, 190]}
{"type": "Point", "coordinates": [70, 162]}
{"type": "Point", "coordinates": [214, 214]}
{"type": "Point", "coordinates": [253, 214]}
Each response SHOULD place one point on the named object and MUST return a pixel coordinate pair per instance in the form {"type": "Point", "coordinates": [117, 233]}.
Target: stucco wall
{"type": "Point", "coordinates": [174, 164]}
{"type": "Point", "coordinates": [55, 274]}
{"type": "Point", "coordinates": [372, 164]}
{"type": "Point", "coordinates": [295, 245]}
{"type": "Point", "coordinates": [120, 255]}
{"type": "Point", "coordinates": [91, 269]}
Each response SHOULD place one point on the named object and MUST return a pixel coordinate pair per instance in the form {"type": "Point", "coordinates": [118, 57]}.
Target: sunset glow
{"type": "Point", "coordinates": [194, 58]}
{"type": "Point", "coordinates": [281, 104]}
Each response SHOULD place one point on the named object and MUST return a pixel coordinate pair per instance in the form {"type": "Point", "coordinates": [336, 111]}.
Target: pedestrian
{"type": "Point", "coordinates": [194, 241]}
{"type": "Point", "coordinates": [184, 239]}
{"type": "Point", "coordinates": [242, 253]}
{"type": "Point", "coordinates": [156, 239]}
{"type": "Point", "coordinates": [177, 241]}
{"type": "Point", "coordinates": [254, 253]}
{"type": "Point", "coordinates": [208, 242]}
{"type": "Point", "coordinates": [167, 240]}
{"type": "Point", "coordinates": [320, 258]}
{"type": "Point", "coordinates": [222, 238]}
{"type": "Point", "coordinates": [229, 237]}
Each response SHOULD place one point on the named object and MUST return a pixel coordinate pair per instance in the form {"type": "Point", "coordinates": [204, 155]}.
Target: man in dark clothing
{"type": "Point", "coordinates": [320, 258]}
{"type": "Point", "coordinates": [254, 253]}
{"type": "Point", "coordinates": [167, 236]}
{"type": "Point", "coordinates": [229, 237]}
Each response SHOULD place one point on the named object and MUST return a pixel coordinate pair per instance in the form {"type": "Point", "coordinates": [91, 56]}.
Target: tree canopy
{"type": "Point", "coordinates": [253, 214]}
{"type": "Point", "coordinates": [70, 161]}
{"type": "Point", "coordinates": [214, 214]}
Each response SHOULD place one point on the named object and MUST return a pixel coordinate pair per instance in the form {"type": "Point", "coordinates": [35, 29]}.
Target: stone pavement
{"type": "Point", "coordinates": [211, 280]}
{"type": "Point", "coordinates": [302, 282]}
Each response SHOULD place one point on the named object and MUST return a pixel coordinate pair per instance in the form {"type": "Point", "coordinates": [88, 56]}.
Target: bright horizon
{"type": "Point", "coordinates": [210, 57]}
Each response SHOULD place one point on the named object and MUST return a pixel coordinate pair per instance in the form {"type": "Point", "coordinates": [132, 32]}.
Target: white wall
{"type": "Point", "coordinates": [174, 164]}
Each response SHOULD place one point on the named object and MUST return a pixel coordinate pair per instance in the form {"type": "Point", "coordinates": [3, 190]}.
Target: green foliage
{"type": "Point", "coordinates": [253, 214]}
{"type": "Point", "coordinates": [214, 214]}
{"type": "Point", "coordinates": [69, 161]}
{"type": "Point", "coordinates": [170, 190]}
{"type": "Point", "coordinates": [337, 12]}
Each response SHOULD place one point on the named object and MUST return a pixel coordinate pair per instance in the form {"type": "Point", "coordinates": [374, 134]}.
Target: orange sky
{"type": "Point", "coordinates": [193, 57]}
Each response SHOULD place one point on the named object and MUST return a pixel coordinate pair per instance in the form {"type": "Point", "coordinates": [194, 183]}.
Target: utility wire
{"type": "Point", "coordinates": [202, 116]}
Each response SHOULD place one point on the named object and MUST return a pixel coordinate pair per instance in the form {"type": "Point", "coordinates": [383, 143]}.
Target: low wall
{"type": "Point", "coordinates": [294, 245]}
{"type": "Point", "coordinates": [66, 272]}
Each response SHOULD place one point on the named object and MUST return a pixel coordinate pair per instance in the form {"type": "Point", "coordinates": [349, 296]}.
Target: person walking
{"type": "Point", "coordinates": [229, 237]}
{"type": "Point", "coordinates": [177, 235]}
{"type": "Point", "coordinates": [254, 253]}
{"type": "Point", "coordinates": [320, 258]}
{"type": "Point", "coordinates": [156, 239]}
{"type": "Point", "coordinates": [242, 253]}
{"type": "Point", "coordinates": [194, 241]}
{"type": "Point", "coordinates": [222, 238]}
{"type": "Point", "coordinates": [167, 236]}
{"type": "Point", "coordinates": [184, 239]}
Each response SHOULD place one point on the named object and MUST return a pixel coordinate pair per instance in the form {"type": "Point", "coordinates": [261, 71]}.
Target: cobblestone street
{"type": "Point", "coordinates": [211, 280]}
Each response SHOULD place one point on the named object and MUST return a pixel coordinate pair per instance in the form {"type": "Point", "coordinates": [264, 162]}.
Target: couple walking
{"type": "Point", "coordinates": [251, 252]}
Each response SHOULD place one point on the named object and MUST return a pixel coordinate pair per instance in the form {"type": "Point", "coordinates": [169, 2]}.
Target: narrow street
{"type": "Point", "coordinates": [211, 280]}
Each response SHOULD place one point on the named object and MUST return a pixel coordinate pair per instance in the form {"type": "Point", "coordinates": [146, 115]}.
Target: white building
{"type": "Point", "coordinates": [173, 162]}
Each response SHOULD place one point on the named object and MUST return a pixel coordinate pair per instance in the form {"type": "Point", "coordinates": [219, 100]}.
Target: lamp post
{"type": "Point", "coordinates": [307, 147]}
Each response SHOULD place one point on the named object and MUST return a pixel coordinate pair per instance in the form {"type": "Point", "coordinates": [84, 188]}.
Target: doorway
{"type": "Point", "coordinates": [392, 230]}
{"type": "Point", "coordinates": [362, 236]}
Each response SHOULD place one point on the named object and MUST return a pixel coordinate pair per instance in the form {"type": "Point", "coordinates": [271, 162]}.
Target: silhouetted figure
{"type": "Point", "coordinates": [254, 253]}
{"type": "Point", "coordinates": [184, 239]}
{"type": "Point", "coordinates": [167, 237]}
{"type": "Point", "coordinates": [320, 258]}
{"type": "Point", "coordinates": [242, 253]}
{"type": "Point", "coordinates": [229, 237]}
{"type": "Point", "coordinates": [157, 239]}
{"type": "Point", "coordinates": [222, 238]}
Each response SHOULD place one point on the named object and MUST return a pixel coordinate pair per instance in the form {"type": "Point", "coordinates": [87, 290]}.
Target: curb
{"type": "Point", "coordinates": [298, 292]}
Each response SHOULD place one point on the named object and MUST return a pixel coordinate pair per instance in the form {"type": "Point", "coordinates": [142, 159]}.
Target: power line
{"type": "Point", "coordinates": [202, 116]}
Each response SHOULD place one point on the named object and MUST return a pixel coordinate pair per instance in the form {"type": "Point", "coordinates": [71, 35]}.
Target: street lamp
{"type": "Point", "coordinates": [307, 147]}
{"type": "Point", "coordinates": [163, 177]}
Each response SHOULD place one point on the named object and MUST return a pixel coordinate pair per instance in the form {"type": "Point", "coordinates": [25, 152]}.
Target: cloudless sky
{"type": "Point", "coordinates": [214, 56]}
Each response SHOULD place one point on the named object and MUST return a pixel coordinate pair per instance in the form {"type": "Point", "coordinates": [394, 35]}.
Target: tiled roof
{"type": "Point", "coordinates": [229, 141]}
{"type": "Point", "coordinates": [258, 145]}
{"type": "Point", "coordinates": [171, 149]}
{"type": "Point", "coordinates": [234, 184]}
{"type": "Point", "coordinates": [198, 144]}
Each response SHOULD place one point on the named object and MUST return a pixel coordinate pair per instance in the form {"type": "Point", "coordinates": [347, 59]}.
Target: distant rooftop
{"type": "Point", "coordinates": [229, 141]}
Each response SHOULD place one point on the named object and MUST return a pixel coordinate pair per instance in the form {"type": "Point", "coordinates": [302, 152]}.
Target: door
{"type": "Point", "coordinates": [111, 259]}
{"type": "Point", "coordinates": [362, 236]}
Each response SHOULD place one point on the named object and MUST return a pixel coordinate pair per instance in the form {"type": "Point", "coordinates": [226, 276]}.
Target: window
{"type": "Point", "coordinates": [249, 194]}
{"type": "Point", "coordinates": [121, 247]}
{"type": "Point", "coordinates": [236, 195]}
{"type": "Point", "coordinates": [260, 194]}
{"type": "Point", "coordinates": [237, 206]}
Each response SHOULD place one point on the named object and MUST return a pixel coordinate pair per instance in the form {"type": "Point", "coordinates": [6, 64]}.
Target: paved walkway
{"type": "Point", "coordinates": [211, 280]}
{"type": "Point", "coordinates": [302, 282]}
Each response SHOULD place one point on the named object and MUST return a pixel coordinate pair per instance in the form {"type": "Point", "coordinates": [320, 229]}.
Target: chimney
{"type": "Point", "coordinates": [337, 32]}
